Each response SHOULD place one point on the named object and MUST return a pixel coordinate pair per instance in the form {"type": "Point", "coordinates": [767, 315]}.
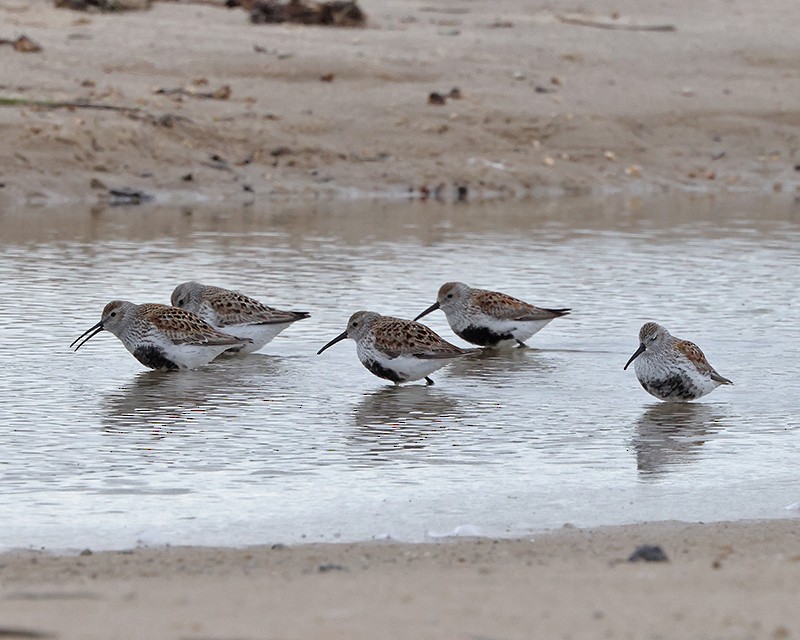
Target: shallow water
{"type": "Point", "coordinates": [288, 446]}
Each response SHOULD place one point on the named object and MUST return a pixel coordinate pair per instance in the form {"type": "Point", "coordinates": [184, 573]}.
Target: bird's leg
{"type": "Point", "coordinates": [521, 344]}
{"type": "Point", "coordinates": [428, 381]}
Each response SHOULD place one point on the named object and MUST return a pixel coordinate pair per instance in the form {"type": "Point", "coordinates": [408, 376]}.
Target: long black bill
{"type": "Point", "coordinates": [433, 307]}
{"type": "Point", "coordinates": [639, 352]}
{"type": "Point", "coordinates": [92, 333]}
{"type": "Point", "coordinates": [338, 338]}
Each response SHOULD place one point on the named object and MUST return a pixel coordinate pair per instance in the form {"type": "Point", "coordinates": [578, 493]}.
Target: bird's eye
{"type": "Point", "coordinates": [449, 295]}
{"type": "Point", "coordinates": [652, 338]}
{"type": "Point", "coordinates": [355, 324]}
{"type": "Point", "coordinates": [180, 302]}
{"type": "Point", "coordinates": [113, 314]}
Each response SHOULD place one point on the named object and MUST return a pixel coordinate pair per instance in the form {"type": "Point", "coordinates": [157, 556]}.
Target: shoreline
{"type": "Point", "coordinates": [727, 579]}
{"type": "Point", "coordinates": [546, 107]}
{"type": "Point", "coordinates": [460, 534]}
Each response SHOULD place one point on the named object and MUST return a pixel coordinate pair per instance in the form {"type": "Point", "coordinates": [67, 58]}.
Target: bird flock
{"type": "Point", "coordinates": [205, 322]}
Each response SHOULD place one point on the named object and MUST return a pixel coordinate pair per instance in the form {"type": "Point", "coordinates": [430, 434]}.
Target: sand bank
{"type": "Point", "coordinates": [723, 580]}
{"type": "Point", "coordinates": [550, 103]}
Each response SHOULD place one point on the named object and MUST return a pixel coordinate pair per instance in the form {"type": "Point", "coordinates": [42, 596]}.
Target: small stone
{"type": "Point", "coordinates": [648, 553]}
{"type": "Point", "coordinates": [24, 44]}
{"type": "Point", "coordinates": [329, 566]}
{"type": "Point", "coordinates": [86, 552]}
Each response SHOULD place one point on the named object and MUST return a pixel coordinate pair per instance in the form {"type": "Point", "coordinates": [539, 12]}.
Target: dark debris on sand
{"type": "Point", "coordinates": [337, 13]}
{"type": "Point", "coordinates": [104, 5]}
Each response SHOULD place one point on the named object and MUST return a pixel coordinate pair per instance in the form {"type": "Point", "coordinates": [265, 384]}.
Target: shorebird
{"type": "Point", "coordinates": [235, 313]}
{"type": "Point", "coordinates": [396, 349]}
{"type": "Point", "coordinates": [160, 336]}
{"type": "Point", "coordinates": [490, 318]}
{"type": "Point", "coordinates": [672, 369]}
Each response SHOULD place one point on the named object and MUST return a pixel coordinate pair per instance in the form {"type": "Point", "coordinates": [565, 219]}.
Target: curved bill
{"type": "Point", "coordinates": [639, 352]}
{"type": "Point", "coordinates": [92, 333]}
{"type": "Point", "coordinates": [433, 307]}
{"type": "Point", "coordinates": [338, 338]}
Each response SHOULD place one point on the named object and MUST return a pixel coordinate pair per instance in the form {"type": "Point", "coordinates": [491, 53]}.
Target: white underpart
{"type": "Point", "coordinates": [653, 368]}
{"type": "Point", "coordinates": [409, 368]}
{"type": "Point", "coordinates": [186, 356]}
{"type": "Point", "coordinates": [520, 329]}
{"type": "Point", "coordinates": [260, 334]}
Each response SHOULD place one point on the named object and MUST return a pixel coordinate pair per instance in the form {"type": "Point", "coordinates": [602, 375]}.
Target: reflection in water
{"type": "Point", "coordinates": [672, 433]}
{"type": "Point", "coordinates": [502, 363]}
{"type": "Point", "coordinates": [159, 400]}
{"type": "Point", "coordinates": [400, 418]}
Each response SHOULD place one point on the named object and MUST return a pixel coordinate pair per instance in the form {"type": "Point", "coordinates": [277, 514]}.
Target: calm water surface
{"type": "Point", "coordinates": [289, 446]}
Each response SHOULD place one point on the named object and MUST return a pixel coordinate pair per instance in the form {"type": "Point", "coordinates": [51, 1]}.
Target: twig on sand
{"type": "Point", "coordinates": [621, 26]}
{"type": "Point", "coordinates": [59, 104]}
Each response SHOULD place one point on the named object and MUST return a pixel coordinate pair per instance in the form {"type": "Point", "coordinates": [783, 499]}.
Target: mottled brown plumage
{"type": "Point", "coordinates": [396, 349]}
{"type": "Point", "coordinates": [397, 337]}
{"type": "Point", "coordinates": [490, 318]}
{"type": "Point", "coordinates": [672, 369]}
{"type": "Point", "coordinates": [506, 307]}
{"type": "Point", "coordinates": [235, 313]}
{"type": "Point", "coordinates": [162, 337]}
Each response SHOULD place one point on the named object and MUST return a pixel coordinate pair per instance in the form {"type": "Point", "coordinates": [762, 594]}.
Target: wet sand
{"type": "Point", "coordinates": [551, 101]}
{"type": "Point", "coordinates": [724, 580]}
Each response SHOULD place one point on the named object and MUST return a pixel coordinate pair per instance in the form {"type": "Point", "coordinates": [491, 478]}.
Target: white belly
{"type": "Point", "coordinates": [260, 334]}
{"type": "Point", "coordinates": [672, 381]}
{"type": "Point", "coordinates": [402, 368]}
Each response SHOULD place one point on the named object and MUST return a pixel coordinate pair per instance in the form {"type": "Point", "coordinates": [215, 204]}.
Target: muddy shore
{"type": "Point", "coordinates": [193, 103]}
{"type": "Point", "coordinates": [723, 580]}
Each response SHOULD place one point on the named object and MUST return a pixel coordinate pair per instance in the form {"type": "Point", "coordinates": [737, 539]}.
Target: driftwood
{"type": "Point", "coordinates": [223, 93]}
{"type": "Point", "coordinates": [57, 104]}
{"type": "Point", "coordinates": [609, 24]}
{"type": "Point", "coordinates": [104, 5]}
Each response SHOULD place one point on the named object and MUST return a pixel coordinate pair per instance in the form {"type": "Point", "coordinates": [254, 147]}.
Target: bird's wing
{"type": "Point", "coordinates": [184, 327]}
{"type": "Point", "coordinates": [397, 337]}
{"type": "Point", "coordinates": [696, 357]}
{"type": "Point", "coordinates": [505, 307]}
{"type": "Point", "coordinates": [234, 308]}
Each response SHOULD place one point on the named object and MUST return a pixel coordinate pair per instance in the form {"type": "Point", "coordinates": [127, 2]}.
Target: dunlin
{"type": "Point", "coordinates": [235, 313]}
{"type": "Point", "coordinates": [162, 337]}
{"type": "Point", "coordinates": [490, 318]}
{"type": "Point", "coordinates": [397, 350]}
{"type": "Point", "coordinates": [672, 369]}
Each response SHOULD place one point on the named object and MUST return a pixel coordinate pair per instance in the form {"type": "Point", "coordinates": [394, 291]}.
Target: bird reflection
{"type": "Point", "coordinates": [161, 401]}
{"type": "Point", "coordinates": [505, 363]}
{"type": "Point", "coordinates": [396, 419]}
{"type": "Point", "coordinates": [672, 433]}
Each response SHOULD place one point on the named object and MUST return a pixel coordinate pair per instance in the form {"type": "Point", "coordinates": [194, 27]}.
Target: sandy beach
{"type": "Point", "coordinates": [190, 103]}
{"type": "Point", "coordinates": [552, 101]}
{"type": "Point", "coordinates": [725, 580]}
